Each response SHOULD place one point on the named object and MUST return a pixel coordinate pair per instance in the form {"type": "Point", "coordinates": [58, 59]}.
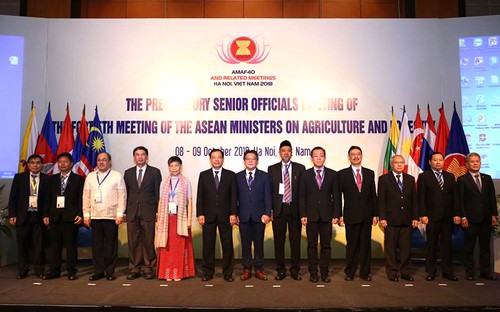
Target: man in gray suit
{"type": "Point", "coordinates": [143, 184]}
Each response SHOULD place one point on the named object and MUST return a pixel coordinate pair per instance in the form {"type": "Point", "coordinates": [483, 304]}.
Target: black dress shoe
{"type": "Point", "coordinates": [22, 274]}
{"type": "Point", "coordinates": [206, 278]}
{"type": "Point", "coordinates": [280, 276]}
{"type": "Point", "coordinates": [367, 278]}
{"type": "Point", "coordinates": [489, 277]}
{"type": "Point", "coordinates": [39, 273]}
{"type": "Point", "coordinates": [95, 277]}
{"type": "Point", "coordinates": [469, 277]}
{"type": "Point", "coordinates": [430, 277]}
{"type": "Point", "coordinates": [348, 278]}
{"type": "Point", "coordinates": [325, 278]}
{"type": "Point", "coordinates": [133, 276]}
{"type": "Point", "coordinates": [229, 278]}
{"type": "Point", "coordinates": [51, 275]}
{"type": "Point", "coordinates": [393, 278]}
{"type": "Point", "coordinates": [297, 277]}
{"type": "Point", "coordinates": [407, 277]}
{"type": "Point", "coordinates": [450, 277]}
{"type": "Point", "coordinates": [314, 278]}
{"type": "Point", "coordinates": [110, 277]}
{"type": "Point", "coordinates": [72, 277]}
{"type": "Point", "coordinates": [149, 276]}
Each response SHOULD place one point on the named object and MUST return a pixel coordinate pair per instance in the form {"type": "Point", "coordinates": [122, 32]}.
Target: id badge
{"type": "Point", "coordinates": [60, 202]}
{"type": "Point", "coordinates": [281, 189]}
{"type": "Point", "coordinates": [172, 208]}
{"type": "Point", "coordinates": [33, 201]}
{"type": "Point", "coordinates": [98, 197]}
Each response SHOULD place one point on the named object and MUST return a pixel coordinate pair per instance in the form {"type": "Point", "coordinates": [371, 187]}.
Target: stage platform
{"type": "Point", "coordinates": [35, 294]}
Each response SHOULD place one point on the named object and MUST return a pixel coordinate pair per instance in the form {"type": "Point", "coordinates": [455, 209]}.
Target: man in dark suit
{"type": "Point", "coordinates": [216, 208]}
{"type": "Point", "coordinates": [143, 192]}
{"type": "Point", "coordinates": [26, 208]}
{"type": "Point", "coordinates": [479, 215]}
{"type": "Point", "coordinates": [254, 212]}
{"type": "Point", "coordinates": [285, 178]}
{"type": "Point", "coordinates": [320, 207]}
{"type": "Point", "coordinates": [357, 184]}
{"type": "Point", "coordinates": [398, 214]}
{"type": "Point", "coordinates": [438, 208]}
{"type": "Point", "coordinates": [63, 215]}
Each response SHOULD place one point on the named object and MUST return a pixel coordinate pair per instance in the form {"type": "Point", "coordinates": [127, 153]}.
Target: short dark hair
{"type": "Point", "coordinates": [353, 148]}
{"type": "Point", "coordinates": [251, 152]}
{"type": "Point", "coordinates": [67, 155]}
{"type": "Point", "coordinates": [318, 148]}
{"type": "Point", "coordinates": [174, 159]}
{"type": "Point", "coordinates": [35, 156]}
{"type": "Point", "coordinates": [216, 150]}
{"type": "Point", "coordinates": [141, 148]}
{"type": "Point", "coordinates": [285, 143]}
{"type": "Point", "coordinates": [107, 154]}
{"type": "Point", "coordinates": [435, 153]}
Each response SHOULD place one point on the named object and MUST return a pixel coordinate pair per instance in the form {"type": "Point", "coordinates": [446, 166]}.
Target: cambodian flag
{"type": "Point", "coordinates": [46, 145]}
{"type": "Point", "coordinates": [80, 144]}
{"type": "Point", "coordinates": [428, 142]}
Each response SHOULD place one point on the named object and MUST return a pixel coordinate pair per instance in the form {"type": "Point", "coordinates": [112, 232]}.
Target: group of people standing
{"type": "Point", "coordinates": [159, 213]}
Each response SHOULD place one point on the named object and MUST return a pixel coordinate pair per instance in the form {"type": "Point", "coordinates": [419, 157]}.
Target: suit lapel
{"type": "Point", "coordinates": [393, 181]}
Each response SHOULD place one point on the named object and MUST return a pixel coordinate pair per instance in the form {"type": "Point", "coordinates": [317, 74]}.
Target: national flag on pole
{"type": "Point", "coordinates": [392, 143]}
{"type": "Point", "coordinates": [66, 140]}
{"type": "Point", "coordinates": [80, 145]}
{"type": "Point", "coordinates": [404, 141]}
{"type": "Point", "coordinates": [46, 145]}
{"type": "Point", "coordinates": [29, 141]}
{"type": "Point", "coordinates": [416, 146]}
{"type": "Point", "coordinates": [457, 148]}
{"type": "Point", "coordinates": [95, 144]}
{"type": "Point", "coordinates": [442, 132]}
{"type": "Point", "coordinates": [428, 142]}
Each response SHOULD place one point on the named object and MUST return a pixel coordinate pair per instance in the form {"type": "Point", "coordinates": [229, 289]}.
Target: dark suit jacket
{"type": "Point", "coordinates": [316, 204]}
{"type": "Point", "coordinates": [437, 205]}
{"type": "Point", "coordinates": [398, 208]}
{"type": "Point", "coordinates": [217, 204]}
{"type": "Point", "coordinates": [276, 177]}
{"type": "Point", "coordinates": [20, 193]}
{"type": "Point", "coordinates": [72, 198]}
{"type": "Point", "coordinates": [477, 206]}
{"type": "Point", "coordinates": [147, 196]}
{"type": "Point", "coordinates": [359, 207]}
{"type": "Point", "coordinates": [255, 201]}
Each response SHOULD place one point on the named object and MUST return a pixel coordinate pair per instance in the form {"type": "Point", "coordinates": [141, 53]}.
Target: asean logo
{"type": "Point", "coordinates": [243, 49]}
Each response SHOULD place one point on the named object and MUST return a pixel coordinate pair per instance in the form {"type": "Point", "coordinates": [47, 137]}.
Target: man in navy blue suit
{"type": "Point", "coordinates": [254, 211]}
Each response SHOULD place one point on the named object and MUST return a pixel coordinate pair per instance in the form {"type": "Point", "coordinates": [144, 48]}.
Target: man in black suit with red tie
{"type": "Point", "coordinates": [438, 208]}
{"type": "Point", "coordinates": [357, 185]}
{"type": "Point", "coordinates": [63, 215]}
{"type": "Point", "coordinates": [285, 177]}
{"type": "Point", "coordinates": [398, 214]}
{"type": "Point", "coordinates": [320, 208]}
{"type": "Point", "coordinates": [479, 215]}
{"type": "Point", "coordinates": [216, 208]}
{"type": "Point", "coordinates": [26, 209]}
{"type": "Point", "coordinates": [143, 193]}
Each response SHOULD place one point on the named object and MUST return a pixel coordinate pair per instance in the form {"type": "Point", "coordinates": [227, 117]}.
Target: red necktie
{"type": "Point", "coordinates": [358, 179]}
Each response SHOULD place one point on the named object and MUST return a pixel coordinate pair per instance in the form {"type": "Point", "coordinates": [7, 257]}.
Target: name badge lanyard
{"type": "Point", "coordinates": [172, 191]}
{"type": "Point", "coordinates": [101, 182]}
